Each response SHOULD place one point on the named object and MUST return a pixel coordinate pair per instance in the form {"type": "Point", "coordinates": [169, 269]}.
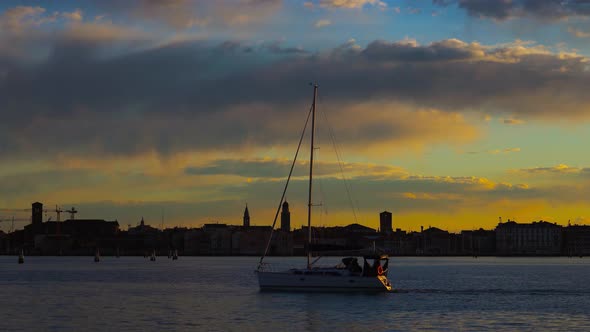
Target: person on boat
{"type": "Point", "coordinates": [355, 267]}
{"type": "Point", "coordinates": [352, 265]}
{"type": "Point", "coordinates": [378, 268]}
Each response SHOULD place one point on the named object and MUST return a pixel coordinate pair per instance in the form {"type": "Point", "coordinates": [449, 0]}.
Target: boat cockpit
{"type": "Point", "coordinates": [373, 265]}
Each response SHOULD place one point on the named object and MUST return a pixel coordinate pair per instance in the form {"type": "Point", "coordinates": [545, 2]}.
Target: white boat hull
{"type": "Point", "coordinates": [288, 281]}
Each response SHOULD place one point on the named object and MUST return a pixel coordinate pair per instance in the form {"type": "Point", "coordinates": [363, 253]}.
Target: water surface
{"type": "Point", "coordinates": [221, 294]}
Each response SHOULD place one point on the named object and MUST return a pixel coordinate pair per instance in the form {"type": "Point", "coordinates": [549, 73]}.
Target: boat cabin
{"type": "Point", "coordinates": [373, 265]}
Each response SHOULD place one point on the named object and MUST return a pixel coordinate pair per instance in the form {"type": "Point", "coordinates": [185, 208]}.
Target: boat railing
{"type": "Point", "coordinates": [275, 267]}
{"type": "Point", "coordinates": [281, 267]}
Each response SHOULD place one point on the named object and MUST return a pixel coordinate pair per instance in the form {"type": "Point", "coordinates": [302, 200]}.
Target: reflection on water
{"type": "Point", "coordinates": [221, 294]}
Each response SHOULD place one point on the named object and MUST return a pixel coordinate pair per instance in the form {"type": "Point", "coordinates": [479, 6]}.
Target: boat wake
{"type": "Point", "coordinates": [496, 291]}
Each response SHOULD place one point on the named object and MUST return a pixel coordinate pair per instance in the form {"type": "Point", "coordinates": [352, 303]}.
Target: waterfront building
{"type": "Point", "coordinates": [479, 242]}
{"type": "Point", "coordinates": [143, 238]}
{"type": "Point", "coordinates": [4, 243]}
{"type": "Point", "coordinates": [435, 242]}
{"type": "Point", "coordinates": [142, 229]}
{"type": "Point", "coordinates": [537, 238]}
{"type": "Point", "coordinates": [83, 236]}
{"type": "Point", "coordinates": [252, 241]}
{"type": "Point", "coordinates": [220, 239]}
{"type": "Point", "coordinates": [399, 243]}
{"type": "Point", "coordinates": [335, 239]}
{"type": "Point", "coordinates": [225, 240]}
{"type": "Point", "coordinates": [196, 242]}
{"type": "Point", "coordinates": [385, 223]}
{"type": "Point", "coordinates": [173, 239]}
{"type": "Point", "coordinates": [576, 240]}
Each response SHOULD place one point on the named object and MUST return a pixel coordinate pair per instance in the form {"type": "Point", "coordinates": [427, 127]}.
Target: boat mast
{"type": "Point", "coordinates": [309, 204]}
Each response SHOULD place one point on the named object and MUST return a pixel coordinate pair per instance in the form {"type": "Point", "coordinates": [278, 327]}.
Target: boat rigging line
{"type": "Point", "coordinates": [309, 203]}
{"type": "Point", "coordinates": [285, 189]}
{"type": "Point", "coordinates": [340, 163]}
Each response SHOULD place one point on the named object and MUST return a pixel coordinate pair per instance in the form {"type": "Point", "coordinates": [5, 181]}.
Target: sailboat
{"type": "Point", "coordinates": [21, 257]}
{"type": "Point", "coordinates": [348, 276]}
{"type": "Point", "coordinates": [153, 256]}
{"type": "Point", "coordinates": [97, 256]}
{"type": "Point", "coordinates": [175, 255]}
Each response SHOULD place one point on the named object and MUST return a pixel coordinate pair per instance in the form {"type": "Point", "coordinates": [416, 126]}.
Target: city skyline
{"type": "Point", "coordinates": [447, 113]}
{"type": "Point", "coordinates": [87, 236]}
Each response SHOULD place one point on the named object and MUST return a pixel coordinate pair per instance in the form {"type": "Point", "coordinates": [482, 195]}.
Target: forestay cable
{"type": "Point", "coordinates": [285, 189]}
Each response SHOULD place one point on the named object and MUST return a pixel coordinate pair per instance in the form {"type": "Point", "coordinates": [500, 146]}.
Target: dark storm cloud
{"type": "Point", "coordinates": [504, 9]}
{"type": "Point", "coordinates": [410, 52]}
{"type": "Point", "coordinates": [187, 95]}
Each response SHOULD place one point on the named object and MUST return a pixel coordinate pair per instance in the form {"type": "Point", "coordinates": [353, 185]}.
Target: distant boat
{"type": "Point", "coordinates": [175, 255]}
{"type": "Point", "coordinates": [21, 257]}
{"type": "Point", "coordinates": [169, 253]}
{"type": "Point", "coordinates": [153, 256]}
{"type": "Point", "coordinates": [97, 256]}
{"type": "Point", "coordinates": [348, 276]}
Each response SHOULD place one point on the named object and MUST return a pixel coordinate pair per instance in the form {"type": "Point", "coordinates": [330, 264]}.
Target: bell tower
{"type": "Point", "coordinates": [246, 217]}
{"type": "Point", "coordinates": [37, 213]}
{"type": "Point", "coordinates": [285, 218]}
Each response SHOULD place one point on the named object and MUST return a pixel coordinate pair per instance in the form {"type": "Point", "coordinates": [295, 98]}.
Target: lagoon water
{"type": "Point", "coordinates": [221, 294]}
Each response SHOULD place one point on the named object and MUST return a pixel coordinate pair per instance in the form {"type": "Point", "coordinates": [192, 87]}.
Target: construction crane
{"type": "Point", "coordinates": [72, 212]}
{"type": "Point", "coordinates": [58, 211]}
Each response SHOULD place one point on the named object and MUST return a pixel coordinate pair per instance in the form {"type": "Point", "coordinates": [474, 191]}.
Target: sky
{"type": "Point", "coordinates": [448, 113]}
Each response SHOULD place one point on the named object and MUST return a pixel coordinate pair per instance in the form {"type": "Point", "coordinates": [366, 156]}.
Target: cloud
{"type": "Point", "coordinates": [578, 33]}
{"type": "Point", "coordinates": [218, 190]}
{"type": "Point", "coordinates": [508, 150]}
{"type": "Point", "coordinates": [276, 47]}
{"type": "Point", "coordinates": [186, 14]}
{"type": "Point", "coordinates": [322, 23]}
{"type": "Point", "coordinates": [76, 15]}
{"type": "Point", "coordinates": [389, 127]}
{"type": "Point", "coordinates": [512, 121]}
{"type": "Point", "coordinates": [15, 20]}
{"type": "Point", "coordinates": [558, 169]}
{"type": "Point", "coordinates": [431, 197]}
{"type": "Point", "coordinates": [405, 194]}
{"type": "Point", "coordinates": [190, 197]}
{"type": "Point", "coordinates": [506, 9]}
{"type": "Point", "coordinates": [279, 168]}
{"type": "Point", "coordinates": [351, 4]}
{"type": "Point", "coordinates": [132, 99]}
{"type": "Point", "coordinates": [496, 151]}
{"type": "Point", "coordinates": [103, 33]}
{"type": "Point", "coordinates": [411, 51]}
{"type": "Point", "coordinates": [29, 34]}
